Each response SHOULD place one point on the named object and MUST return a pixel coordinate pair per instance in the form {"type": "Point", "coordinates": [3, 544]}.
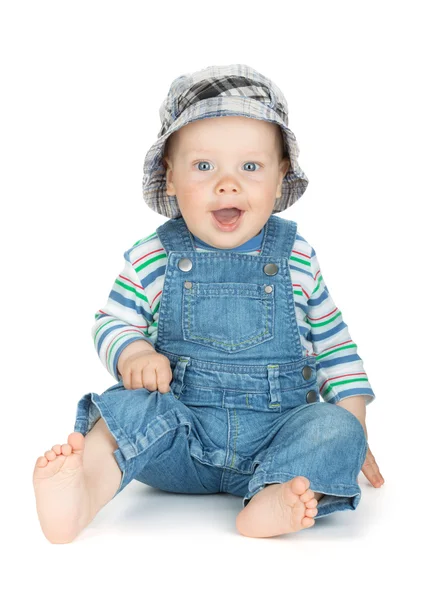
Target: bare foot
{"type": "Point", "coordinates": [279, 508]}
{"type": "Point", "coordinates": [63, 503]}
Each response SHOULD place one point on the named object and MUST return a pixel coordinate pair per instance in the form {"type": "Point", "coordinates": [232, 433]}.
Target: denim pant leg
{"type": "Point", "coordinates": [156, 435]}
{"type": "Point", "coordinates": [323, 442]}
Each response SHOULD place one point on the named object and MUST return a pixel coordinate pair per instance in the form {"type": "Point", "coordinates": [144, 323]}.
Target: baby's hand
{"type": "Point", "coordinates": [147, 369]}
{"type": "Point", "coordinates": [371, 470]}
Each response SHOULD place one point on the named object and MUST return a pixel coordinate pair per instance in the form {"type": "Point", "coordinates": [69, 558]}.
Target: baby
{"type": "Point", "coordinates": [221, 333]}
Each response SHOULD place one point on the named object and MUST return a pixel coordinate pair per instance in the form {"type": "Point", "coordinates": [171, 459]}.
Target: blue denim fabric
{"type": "Point", "coordinates": [244, 408]}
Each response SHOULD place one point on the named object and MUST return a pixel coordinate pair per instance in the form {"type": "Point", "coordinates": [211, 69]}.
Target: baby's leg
{"type": "Point", "coordinates": [74, 481]}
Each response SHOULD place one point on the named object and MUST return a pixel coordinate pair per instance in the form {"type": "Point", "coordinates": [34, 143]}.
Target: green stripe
{"type": "Point", "coordinates": [100, 329]}
{"type": "Point", "coordinates": [300, 260]}
{"type": "Point", "coordinates": [151, 260]}
{"type": "Point", "coordinates": [318, 285]}
{"type": "Point", "coordinates": [132, 289]}
{"type": "Point", "coordinates": [320, 356]}
{"type": "Point", "coordinates": [332, 385]}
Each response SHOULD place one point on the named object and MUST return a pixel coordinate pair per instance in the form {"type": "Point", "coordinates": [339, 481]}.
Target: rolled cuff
{"type": "Point", "coordinates": [337, 497]}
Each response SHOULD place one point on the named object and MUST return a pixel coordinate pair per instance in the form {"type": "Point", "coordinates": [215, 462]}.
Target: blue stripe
{"type": "Point", "coordinates": [317, 337]}
{"type": "Point", "coordinates": [150, 277]}
{"type": "Point", "coordinates": [105, 333]}
{"type": "Point", "coordinates": [301, 270]}
{"type": "Point", "coordinates": [322, 298]}
{"type": "Point", "coordinates": [128, 303]}
{"type": "Point", "coordinates": [366, 391]}
{"type": "Point", "coordinates": [338, 361]}
{"type": "Point", "coordinates": [301, 306]}
{"type": "Point", "coordinates": [304, 331]}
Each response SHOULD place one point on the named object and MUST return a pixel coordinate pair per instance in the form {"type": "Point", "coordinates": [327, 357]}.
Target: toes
{"type": "Point", "coordinates": [307, 522]}
{"type": "Point", "coordinates": [311, 503]}
{"type": "Point", "coordinates": [76, 440]}
{"type": "Point", "coordinates": [308, 495]}
{"type": "Point", "coordinates": [66, 449]}
{"type": "Point", "coordinates": [311, 512]}
{"type": "Point", "coordinates": [57, 450]}
{"type": "Point", "coordinates": [50, 455]}
{"type": "Point", "coordinates": [75, 443]}
{"type": "Point", "coordinates": [300, 484]}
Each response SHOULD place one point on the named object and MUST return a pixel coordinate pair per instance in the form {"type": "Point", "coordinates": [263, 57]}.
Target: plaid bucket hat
{"type": "Point", "coordinates": [218, 91]}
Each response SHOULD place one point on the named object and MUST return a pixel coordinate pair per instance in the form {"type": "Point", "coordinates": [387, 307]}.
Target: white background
{"type": "Point", "coordinates": [82, 83]}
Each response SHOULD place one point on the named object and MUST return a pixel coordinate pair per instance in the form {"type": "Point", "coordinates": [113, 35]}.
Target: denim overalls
{"type": "Point", "coordinates": [244, 408]}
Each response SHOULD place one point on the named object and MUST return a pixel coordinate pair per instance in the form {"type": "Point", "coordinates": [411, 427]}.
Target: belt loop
{"type": "Point", "coordinates": [274, 385]}
{"type": "Point", "coordinates": [178, 375]}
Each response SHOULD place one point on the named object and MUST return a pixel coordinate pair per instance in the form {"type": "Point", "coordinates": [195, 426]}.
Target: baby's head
{"type": "Point", "coordinates": [226, 162]}
{"type": "Point", "coordinates": [224, 142]}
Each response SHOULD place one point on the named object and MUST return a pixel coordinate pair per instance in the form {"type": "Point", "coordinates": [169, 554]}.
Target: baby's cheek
{"type": "Point", "coordinates": [194, 198]}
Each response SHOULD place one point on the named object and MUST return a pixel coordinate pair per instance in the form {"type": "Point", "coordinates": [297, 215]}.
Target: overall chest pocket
{"type": "Point", "coordinates": [228, 316]}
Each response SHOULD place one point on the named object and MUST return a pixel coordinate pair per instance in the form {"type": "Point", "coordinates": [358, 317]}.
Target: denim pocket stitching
{"type": "Point", "coordinates": [247, 291]}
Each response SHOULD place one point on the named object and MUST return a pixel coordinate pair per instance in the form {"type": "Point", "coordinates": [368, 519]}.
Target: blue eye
{"type": "Point", "coordinates": [206, 162]}
{"type": "Point", "coordinates": [252, 163]}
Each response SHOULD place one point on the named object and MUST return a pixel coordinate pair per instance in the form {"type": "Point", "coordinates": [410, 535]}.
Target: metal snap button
{"type": "Point", "coordinates": [268, 289]}
{"type": "Point", "coordinates": [185, 264]}
{"type": "Point", "coordinates": [307, 371]}
{"type": "Point", "coordinates": [311, 396]}
{"type": "Point", "coordinates": [271, 269]}
{"type": "Point", "coordinates": [188, 285]}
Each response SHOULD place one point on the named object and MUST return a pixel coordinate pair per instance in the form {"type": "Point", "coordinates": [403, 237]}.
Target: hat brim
{"type": "Point", "coordinates": [154, 183]}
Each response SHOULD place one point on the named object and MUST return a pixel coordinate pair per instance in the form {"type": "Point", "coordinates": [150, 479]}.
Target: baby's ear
{"type": "Point", "coordinates": [166, 162]}
{"type": "Point", "coordinates": [169, 189]}
{"type": "Point", "coordinates": [285, 163]}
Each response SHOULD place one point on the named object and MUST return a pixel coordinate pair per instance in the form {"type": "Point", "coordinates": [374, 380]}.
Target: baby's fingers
{"type": "Point", "coordinates": [136, 380]}
{"type": "Point", "coordinates": [149, 378]}
{"type": "Point", "coordinates": [371, 470]}
{"type": "Point", "coordinates": [163, 378]}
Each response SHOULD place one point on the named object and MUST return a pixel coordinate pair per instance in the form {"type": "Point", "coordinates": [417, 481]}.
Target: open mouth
{"type": "Point", "coordinates": [227, 219]}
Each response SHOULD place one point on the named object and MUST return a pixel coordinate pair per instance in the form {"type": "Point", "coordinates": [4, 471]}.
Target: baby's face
{"type": "Point", "coordinates": [225, 162]}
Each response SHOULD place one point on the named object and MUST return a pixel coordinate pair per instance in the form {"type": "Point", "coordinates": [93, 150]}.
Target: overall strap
{"type": "Point", "coordinates": [279, 237]}
{"type": "Point", "coordinates": [174, 235]}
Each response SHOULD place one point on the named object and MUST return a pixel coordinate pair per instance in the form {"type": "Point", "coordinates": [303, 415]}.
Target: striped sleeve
{"type": "Point", "coordinates": [340, 370]}
{"type": "Point", "coordinates": [125, 318]}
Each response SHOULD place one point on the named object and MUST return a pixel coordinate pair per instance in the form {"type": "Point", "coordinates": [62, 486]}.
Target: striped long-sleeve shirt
{"type": "Point", "coordinates": [132, 310]}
